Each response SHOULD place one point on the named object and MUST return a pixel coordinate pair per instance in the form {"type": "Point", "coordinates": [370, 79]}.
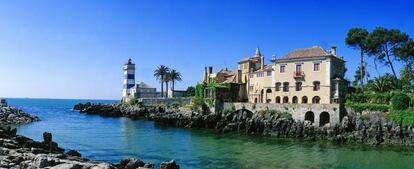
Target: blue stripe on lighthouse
{"type": "Point", "coordinates": [128, 86]}
{"type": "Point", "coordinates": [130, 76]}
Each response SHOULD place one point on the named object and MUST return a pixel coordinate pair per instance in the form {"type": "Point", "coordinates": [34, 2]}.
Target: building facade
{"type": "Point", "coordinates": [306, 76]}
{"type": "Point", "coordinates": [309, 83]}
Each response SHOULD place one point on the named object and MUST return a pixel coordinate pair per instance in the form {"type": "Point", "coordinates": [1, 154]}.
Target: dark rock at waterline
{"type": "Point", "coordinates": [73, 153]}
{"type": "Point", "coordinates": [131, 163]}
{"type": "Point", "coordinates": [13, 116]}
{"type": "Point", "coordinates": [18, 151]}
{"type": "Point", "coordinates": [169, 165]}
{"type": "Point", "coordinates": [114, 110]}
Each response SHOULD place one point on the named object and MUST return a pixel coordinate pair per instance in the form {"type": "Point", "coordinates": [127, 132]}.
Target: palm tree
{"type": "Point", "coordinates": [357, 38]}
{"type": "Point", "coordinates": [167, 80]}
{"type": "Point", "coordinates": [160, 73]}
{"type": "Point", "coordinates": [174, 76]}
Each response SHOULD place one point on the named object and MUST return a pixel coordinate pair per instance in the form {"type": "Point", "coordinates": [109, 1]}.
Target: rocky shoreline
{"type": "Point", "coordinates": [18, 151]}
{"type": "Point", "coordinates": [371, 129]}
{"type": "Point", "coordinates": [13, 116]}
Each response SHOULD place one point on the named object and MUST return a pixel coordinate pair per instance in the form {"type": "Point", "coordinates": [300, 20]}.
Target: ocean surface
{"type": "Point", "coordinates": [112, 139]}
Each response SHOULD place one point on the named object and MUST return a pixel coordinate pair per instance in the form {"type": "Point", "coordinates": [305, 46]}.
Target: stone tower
{"type": "Point", "coordinates": [129, 81]}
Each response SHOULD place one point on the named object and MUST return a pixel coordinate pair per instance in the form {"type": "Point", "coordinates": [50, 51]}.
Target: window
{"type": "Point", "coordinates": [299, 68]}
{"type": "Point", "coordinates": [286, 86]}
{"type": "Point", "coordinates": [269, 73]}
{"type": "Point", "coordinates": [316, 85]}
{"type": "Point", "coordinates": [316, 67]}
{"type": "Point", "coordinates": [282, 68]}
{"type": "Point", "coordinates": [295, 99]}
{"type": "Point", "coordinates": [316, 100]}
{"type": "Point", "coordinates": [285, 99]}
{"type": "Point", "coordinates": [278, 85]}
{"type": "Point", "coordinates": [278, 99]}
{"type": "Point", "coordinates": [304, 99]}
{"type": "Point", "coordinates": [298, 86]}
{"type": "Point", "coordinates": [260, 74]}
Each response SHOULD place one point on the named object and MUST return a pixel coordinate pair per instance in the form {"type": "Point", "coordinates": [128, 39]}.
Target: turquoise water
{"type": "Point", "coordinates": [111, 139]}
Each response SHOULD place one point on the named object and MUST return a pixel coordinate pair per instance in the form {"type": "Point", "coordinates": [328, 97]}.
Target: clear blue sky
{"type": "Point", "coordinates": [76, 48]}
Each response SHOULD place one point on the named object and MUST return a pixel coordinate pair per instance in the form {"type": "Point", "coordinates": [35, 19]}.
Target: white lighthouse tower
{"type": "Point", "coordinates": [129, 81]}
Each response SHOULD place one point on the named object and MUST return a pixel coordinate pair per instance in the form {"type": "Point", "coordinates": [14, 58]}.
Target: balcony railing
{"type": "Point", "coordinates": [298, 74]}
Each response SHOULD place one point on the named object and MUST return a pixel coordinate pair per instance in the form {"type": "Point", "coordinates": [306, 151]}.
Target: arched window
{"type": "Point", "coordinates": [295, 99]}
{"type": "Point", "coordinates": [304, 100]}
{"type": "Point", "coordinates": [269, 91]}
{"type": "Point", "coordinates": [316, 100]}
{"type": "Point", "coordinates": [255, 100]}
{"type": "Point", "coordinates": [278, 99]}
{"type": "Point", "coordinates": [323, 118]}
{"type": "Point", "coordinates": [316, 85]}
{"type": "Point", "coordinates": [285, 99]}
{"type": "Point", "coordinates": [309, 116]}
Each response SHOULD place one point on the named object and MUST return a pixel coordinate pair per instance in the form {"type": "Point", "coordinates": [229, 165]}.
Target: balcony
{"type": "Point", "coordinates": [298, 74]}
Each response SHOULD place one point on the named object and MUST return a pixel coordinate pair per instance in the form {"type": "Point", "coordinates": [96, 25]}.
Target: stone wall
{"type": "Point", "coordinates": [157, 101]}
{"type": "Point", "coordinates": [298, 111]}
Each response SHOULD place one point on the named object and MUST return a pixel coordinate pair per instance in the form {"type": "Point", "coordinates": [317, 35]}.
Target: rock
{"type": "Point", "coordinates": [22, 152]}
{"type": "Point", "coordinates": [13, 116]}
{"type": "Point", "coordinates": [131, 163]}
{"type": "Point", "coordinates": [73, 153]}
{"type": "Point", "coordinates": [67, 166]}
{"type": "Point", "coordinates": [169, 165]}
{"type": "Point", "coordinates": [42, 160]}
{"type": "Point", "coordinates": [103, 166]}
{"type": "Point", "coordinates": [47, 137]}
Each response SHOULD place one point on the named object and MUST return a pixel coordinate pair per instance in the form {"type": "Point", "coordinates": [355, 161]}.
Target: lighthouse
{"type": "Point", "coordinates": [129, 81]}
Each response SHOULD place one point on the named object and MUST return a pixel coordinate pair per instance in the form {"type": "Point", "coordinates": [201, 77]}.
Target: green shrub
{"type": "Point", "coordinates": [359, 107]}
{"type": "Point", "coordinates": [175, 104]}
{"type": "Point", "coordinates": [134, 101]}
{"type": "Point", "coordinates": [210, 102]}
{"type": "Point", "coordinates": [272, 111]}
{"type": "Point", "coordinates": [412, 100]}
{"type": "Point", "coordinates": [286, 115]}
{"type": "Point", "coordinates": [356, 98]}
{"type": "Point", "coordinates": [199, 90]}
{"type": "Point", "coordinates": [261, 113]}
{"type": "Point", "coordinates": [400, 101]}
{"type": "Point", "coordinates": [198, 104]}
{"type": "Point", "coordinates": [377, 98]}
{"type": "Point", "coordinates": [404, 116]}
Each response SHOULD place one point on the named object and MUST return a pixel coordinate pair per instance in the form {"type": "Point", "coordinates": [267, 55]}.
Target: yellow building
{"type": "Point", "coordinates": [306, 76]}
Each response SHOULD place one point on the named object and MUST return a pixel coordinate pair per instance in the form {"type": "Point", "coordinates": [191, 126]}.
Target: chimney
{"type": "Point", "coordinates": [262, 62]}
{"type": "Point", "coordinates": [210, 70]}
{"type": "Point", "coordinates": [333, 50]}
{"type": "Point", "coordinates": [205, 75]}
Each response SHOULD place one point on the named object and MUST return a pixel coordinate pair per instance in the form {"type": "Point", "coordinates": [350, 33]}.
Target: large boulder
{"type": "Point", "coordinates": [169, 165]}
{"type": "Point", "coordinates": [131, 163]}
